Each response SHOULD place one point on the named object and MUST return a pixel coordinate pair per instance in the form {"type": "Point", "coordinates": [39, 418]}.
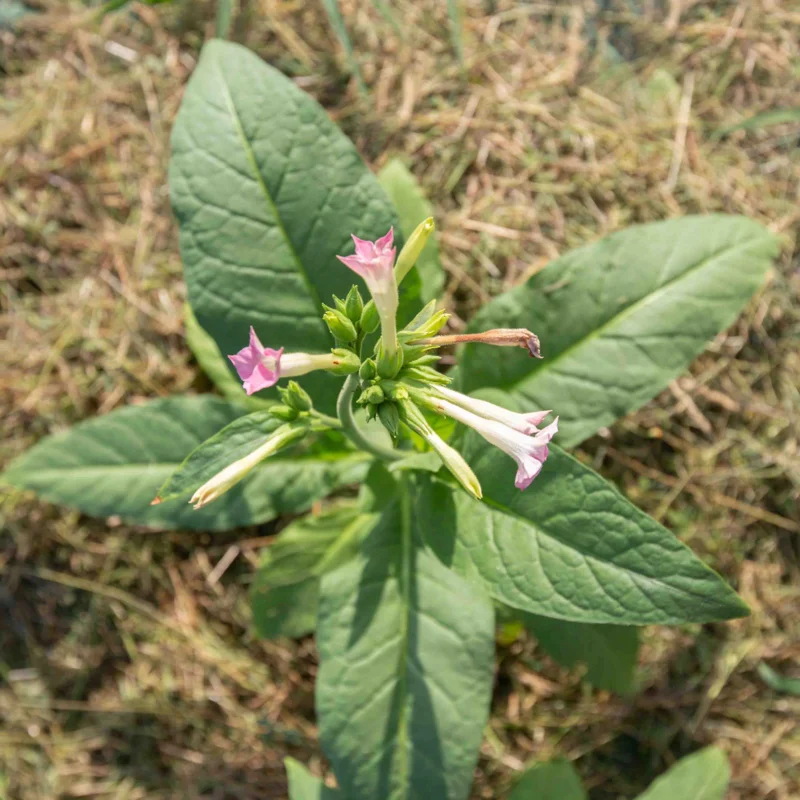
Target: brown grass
{"type": "Point", "coordinates": [127, 673]}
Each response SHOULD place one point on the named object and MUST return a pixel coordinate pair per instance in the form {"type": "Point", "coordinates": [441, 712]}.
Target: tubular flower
{"type": "Point", "coordinates": [233, 473]}
{"type": "Point", "coordinates": [529, 452]}
{"type": "Point", "coordinates": [374, 262]}
{"type": "Point", "coordinates": [260, 367]}
{"type": "Point", "coordinates": [524, 423]}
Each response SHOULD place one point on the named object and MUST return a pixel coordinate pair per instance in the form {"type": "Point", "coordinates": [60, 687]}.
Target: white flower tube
{"type": "Point", "coordinates": [524, 423]}
{"type": "Point", "coordinates": [529, 452]}
{"type": "Point", "coordinates": [233, 473]}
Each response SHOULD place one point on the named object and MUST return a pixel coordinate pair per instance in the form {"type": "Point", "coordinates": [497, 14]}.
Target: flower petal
{"type": "Point", "coordinates": [385, 241]}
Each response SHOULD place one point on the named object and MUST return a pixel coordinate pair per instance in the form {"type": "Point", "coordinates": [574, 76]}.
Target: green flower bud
{"type": "Point", "coordinates": [340, 304]}
{"type": "Point", "coordinates": [388, 365]}
{"type": "Point", "coordinates": [295, 396]}
{"type": "Point", "coordinates": [340, 326]}
{"type": "Point", "coordinates": [354, 305]}
{"type": "Point", "coordinates": [370, 318]}
{"type": "Point", "coordinates": [284, 413]}
{"type": "Point", "coordinates": [372, 412]}
{"type": "Point", "coordinates": [425, 375]}
{"type": "Point", "coordinates": [346, 362]}
{"type": "Point", "coordinates": [373, 395]}
{"type": "Point", "coordinates": [390, 419]}
{"type": "Point", "coordinates": [368, 370]}
{"type": "Point", "coordinates": [412, 248]}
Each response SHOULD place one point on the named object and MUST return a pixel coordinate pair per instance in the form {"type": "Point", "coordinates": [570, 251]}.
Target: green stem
{"type": "Point", "coordinates": [331, 422]}
{"type": "Point", "coordinates": [344, 410]}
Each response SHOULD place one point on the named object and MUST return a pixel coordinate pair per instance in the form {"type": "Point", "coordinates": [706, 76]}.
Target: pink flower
{"type": "Point", "coordinates": [373, 261]}
{"type": "Point", "coordinates": [259, 367]}
{"type": "Point", "coordinates": [530, 452]}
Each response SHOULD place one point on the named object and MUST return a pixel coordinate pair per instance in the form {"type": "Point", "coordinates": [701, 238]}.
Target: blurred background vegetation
{"type": "Point", "coordinates": [128, 665]}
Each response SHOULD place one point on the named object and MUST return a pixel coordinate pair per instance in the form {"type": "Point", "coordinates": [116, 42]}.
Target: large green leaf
{"type": "Point", "coordinates": [305, 786]}
{"type": "Point", "coordinates": [114, 465]}
{"type": "Point", "coordinates": [608, 651]}
{"type": "Point", "coordinates": [413, 208]}
{"type": "Point", "coordinates": [550, 780]}
{"type": "Point", "coordinates": [704, 775]}
{"type": "Point", "coordinates": [267, 191]}
{"type": "Point", "coordinates": [571, 546]}
{"type": "Point", "coordinates": [406, 663]}
{"type": "Point", "coordinates": [286, 586]}
{"type": "Point", "coordinates": [619, 319]}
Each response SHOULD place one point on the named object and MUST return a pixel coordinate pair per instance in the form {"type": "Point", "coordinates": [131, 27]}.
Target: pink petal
{"type": "Point", "coordinates": [527, 472]}
{"type": "Point", "coordinates": [536, 417]}
{"type": "Point", "coordinates": [355, 263]}
{"type": "Point", "coordinates": [543, 436]}
{"type": "Point", "coordinates": [255, 342]}
{"type": "Point", "coordinates": [385, 241]}
{"type": "Point", "coordinates": [261, 378]}
{"type": "Point", "coordinates": [364, 249]}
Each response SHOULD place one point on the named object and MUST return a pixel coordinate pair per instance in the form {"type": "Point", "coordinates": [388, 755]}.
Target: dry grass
{"type": "Point", "coordinates": [127, 673]}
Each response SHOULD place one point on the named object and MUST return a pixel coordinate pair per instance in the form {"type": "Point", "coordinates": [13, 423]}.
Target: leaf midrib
{"type": "Point", "coordinates": [628, 311]}
{"type": "Point", "coordinates": [251, 158]}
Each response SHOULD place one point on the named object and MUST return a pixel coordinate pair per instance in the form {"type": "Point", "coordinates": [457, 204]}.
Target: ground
{"type": "Point", "coordinates": [129, 667]}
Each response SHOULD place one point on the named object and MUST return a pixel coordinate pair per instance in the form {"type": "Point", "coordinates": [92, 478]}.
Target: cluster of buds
{"type": "Point", "coordinates": [396, 383]}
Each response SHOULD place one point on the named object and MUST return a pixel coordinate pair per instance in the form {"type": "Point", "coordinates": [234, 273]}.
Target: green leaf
{"type": "Point", "coordinates": [340, 29]}
{"type": "Point", "coordinates": [778, 682]}
{"type": "Point", "coordinates": [236, 440]}
{"type": "Point", "coordinates": [267, 191]}
{"type": "Point", "coordinates": [619, 319]}
{"type": "Point", "coordinates": [608, 651]}
{"type": "Point", "coordinates": [550, 780]}
{"type": "Point", "coordinates": [454, 21]}
{"type": "Point", "coordinates": [776, 116]}
{"type": "Point", "coordinates": [406, 664]}
{"type": "Point", "coordinates": [114, 465]}
{"type": "Point", "coordinates": [305, 786]}
{"type": "Point", "coordinates": [215, 366]}
{"type": "Point", "coordinates": [704, 775]}
{"type": "Point", "coordinates": [286, 586]}
{"type": "Point", "coordinates": [413, 208]}
{"type": "Point", "coordinates": [570, 547]}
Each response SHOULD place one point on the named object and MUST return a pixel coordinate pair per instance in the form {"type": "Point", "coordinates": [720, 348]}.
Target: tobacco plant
{"type": "Point", "coordinates": [450, 498]}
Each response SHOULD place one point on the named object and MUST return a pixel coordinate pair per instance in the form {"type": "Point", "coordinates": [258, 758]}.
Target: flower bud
{"type": "Point", "coordinates": [370, 319]}
{"type": "Point", "coordinates": [233, 473]}
{"type": "Point", "coordinates": [345, 362]}
{"type": "Point", "coordinates": [388, 364]}
{"type": "Point", "coordinates": [390, 419]}
{"type": "Point", "coordinates": [286, 413]}
{"type": "Point", "coordinates": [354, 305]}
{"type": "Point", "coordinates": [340, 326]}
{"type": "Point", "coordinates": [368, 370]}
{"type": "Point", "coordinates": [340, 304]}
{"type": "Point", "coordinates": [295, 396]}
{"type": "Point", "coordinates": [394, 390]}
{"type": "Point", "coordinates": [412, 248]}
{"type": "Point", "coordinates": [372, 412]}
{"type": "Point", "coordinates": [425, 375]}
{"type": "Point", "coordinates": [430, 327]}
{"type": "Point", "coordinates": [373, 395]}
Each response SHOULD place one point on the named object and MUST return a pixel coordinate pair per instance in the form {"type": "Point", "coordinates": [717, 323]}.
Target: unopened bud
{"type": "Point", "coordinates": [372, 412]}
{"type": "Point", "coordinates": [390, 419]}
{"type": "Point", "coordinates": [388, 364]}
{"type": "Point", "coordinates": [340, 304]}
{"type": "Point", "coordinates": [233, 473]}
{"type": "Point", "coordinates": [345, 362]}
{"type": "Point", "coordinates": [394, 390]}
{"type": "Point", "coordinates": [429, 327]}
{"type": "Point", "coordinates": [354, 305]}
{"type": "Point", "coordinates": [425, 375]}
{"type": "Point", "coordinates": [372, 394]}
{"type": "Point", "coordinates": [340, 326]}
{"type": "Point", "coordinates": [412, 248]}
{"type": "Point", "coordinates": [370, 319]}
{"type": "Point", "coordinates": [296, 397]}
{"type": "Point", "coordinates": [286, 413]}
{"type": "Point", "coordinates": [368, 370]}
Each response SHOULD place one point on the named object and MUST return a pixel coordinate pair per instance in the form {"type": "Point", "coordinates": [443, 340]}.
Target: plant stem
{"type": "Point", "coordinates": [331, 422]}
{"type": "Point", "coordinates": [344, 410]}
